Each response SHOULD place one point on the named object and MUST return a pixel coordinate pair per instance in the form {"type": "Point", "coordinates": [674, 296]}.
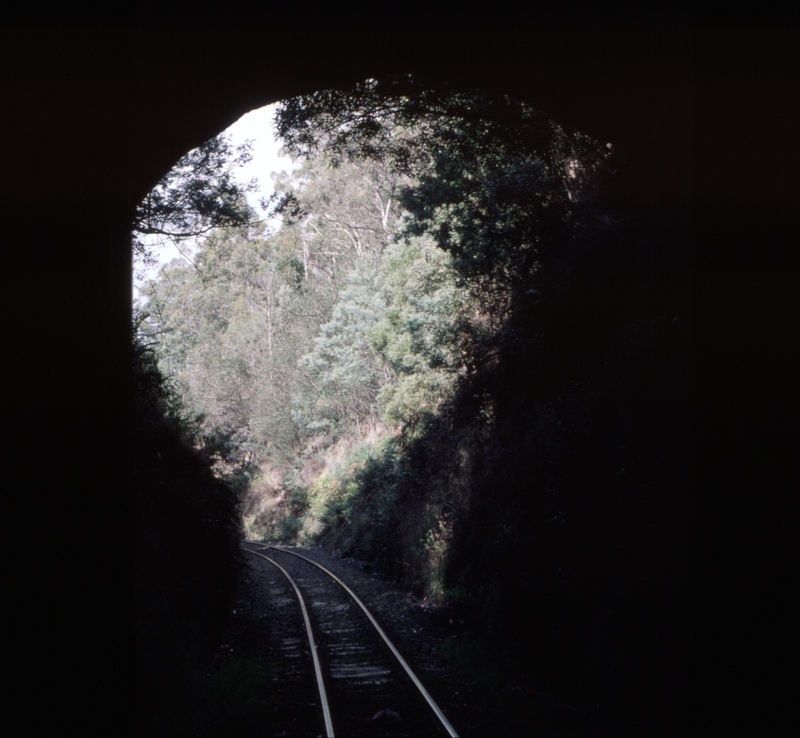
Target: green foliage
{"type": "Point", "coordinates": [496, 184]}
{"type": "Point", "coordinates": [197, 195]}
{"type": "Point", "coordinates": [345, 206]}
{"type": "Point", "coordinates": [341, 367]}
{"type": "Point", "coordinates": [267, 334]}
{"type": "Point", "coordinates": [423, 330]}
{"type": "Point", "coordinates": [231, 332]}
{"type": "Point", "coordinates": [186, 532]}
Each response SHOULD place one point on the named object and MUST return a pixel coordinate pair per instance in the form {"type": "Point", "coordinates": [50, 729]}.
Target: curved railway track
{"type": "Point", "coordinates": [364, 685]}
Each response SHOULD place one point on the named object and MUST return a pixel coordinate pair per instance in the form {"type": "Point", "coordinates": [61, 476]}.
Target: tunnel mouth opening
{"type": "Point", "coordinates": [299, 278]}
{"type": "Point", "coordinates": [310, 347]}
{"type": "Point", "coordinates": [428, 362]}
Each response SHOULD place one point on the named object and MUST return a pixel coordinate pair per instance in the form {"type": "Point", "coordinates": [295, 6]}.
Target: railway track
{"type": "Point", "coordinates": [364, 686]}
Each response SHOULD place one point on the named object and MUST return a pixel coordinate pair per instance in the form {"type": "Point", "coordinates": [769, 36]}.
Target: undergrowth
{"type": "Point", "coordinates": [186, 533]}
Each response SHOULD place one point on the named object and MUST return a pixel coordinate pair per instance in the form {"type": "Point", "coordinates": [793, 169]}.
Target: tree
{"type": "Point", "coordinates": [339, 210]}
{"type": "Point", "coordinates": [342, 370]}
{"type": "Point", "coordinates": [196, 196]}
{"type": "Point", "coordinates": [498, 185]}
{"type": "Point", "coordinates": [423, 330]}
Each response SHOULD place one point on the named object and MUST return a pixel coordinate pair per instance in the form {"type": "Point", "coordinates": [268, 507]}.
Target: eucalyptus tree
{"type": "Point", "coordinates": [340, 210]}
{"type": "Point", "coordinates": [342, 373]}
{"type": "Point", "coordinates": [497, 184]}
{"type": "Point", "coordinates": [422, 334]}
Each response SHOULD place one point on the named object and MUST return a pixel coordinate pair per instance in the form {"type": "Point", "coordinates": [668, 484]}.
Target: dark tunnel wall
{"type": "Point", "coordinates": [92, 119]}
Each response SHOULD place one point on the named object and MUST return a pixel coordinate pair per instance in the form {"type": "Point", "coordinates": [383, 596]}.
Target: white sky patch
{"type": "Point", "coordinates": [259, 126]}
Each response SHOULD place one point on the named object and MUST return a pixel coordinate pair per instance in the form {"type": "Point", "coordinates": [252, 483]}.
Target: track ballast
{"type": "Point", "coordinates": [368, 686]}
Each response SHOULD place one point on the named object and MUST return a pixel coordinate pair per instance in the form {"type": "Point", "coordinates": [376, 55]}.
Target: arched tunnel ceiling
{"type": "Point", "coordinates": [107, 113]}
{"type": "Point", "coordinates": [628, 85]}
{"type": "Point", "coordinates": [92, 118]}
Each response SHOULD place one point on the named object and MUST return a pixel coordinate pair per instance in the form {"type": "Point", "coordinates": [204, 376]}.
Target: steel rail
{"type": "Point", "coordinates": [317, 668]}
{"type": "Point", "coordinates": [445, 722]}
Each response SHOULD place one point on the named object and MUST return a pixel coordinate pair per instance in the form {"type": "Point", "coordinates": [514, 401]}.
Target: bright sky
{"type": "Point", "coordinates": [257, 125]}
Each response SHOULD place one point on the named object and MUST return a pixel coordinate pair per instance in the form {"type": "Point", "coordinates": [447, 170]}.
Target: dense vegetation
{"type": "Point", "coordinates": [187, 528]}
{"type": "Point", "coordinates": [454, 361]}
